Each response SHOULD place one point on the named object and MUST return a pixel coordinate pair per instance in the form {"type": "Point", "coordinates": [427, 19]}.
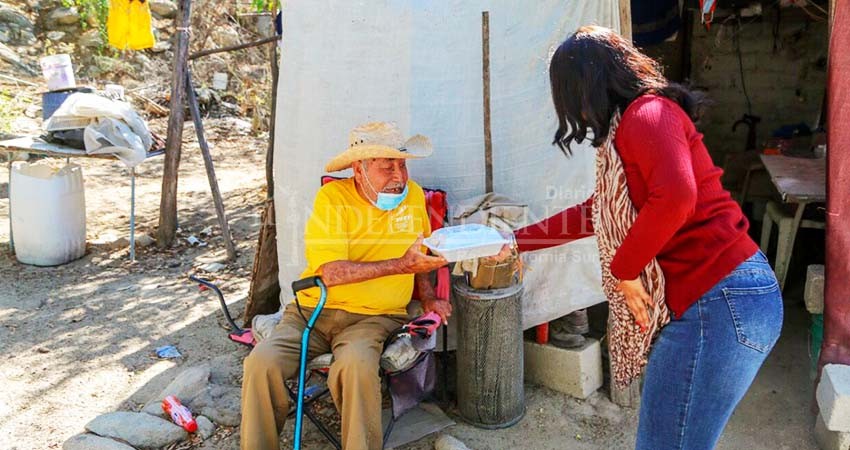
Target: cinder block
{"type": "Point", "coordinates": [814, 289]}
{"type": "Point", "coordinates": [833, 396]}
{"type": "Point", "coordinates": [576, 372]}
{"type": "Point", "coordinates": [830, 440]}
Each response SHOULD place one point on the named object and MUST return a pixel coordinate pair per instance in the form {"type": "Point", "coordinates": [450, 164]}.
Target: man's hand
{"type": "Point", "coordinates": [414, 261]}
{"type": "Point", "coordinates": [443, 308]}
{"type": "Point", "coordinates": [637, 299]}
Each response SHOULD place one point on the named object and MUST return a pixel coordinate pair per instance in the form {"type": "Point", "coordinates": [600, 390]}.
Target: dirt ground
{"type": "Point", "coordinates": [77, 340]}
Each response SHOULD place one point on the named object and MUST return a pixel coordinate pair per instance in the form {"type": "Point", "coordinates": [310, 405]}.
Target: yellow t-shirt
{"type": "Point", "coordinates": [345, 226]}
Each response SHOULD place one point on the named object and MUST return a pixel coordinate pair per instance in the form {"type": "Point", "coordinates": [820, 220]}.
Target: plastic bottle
{"type": "Point", "coordinates": [179, 413]}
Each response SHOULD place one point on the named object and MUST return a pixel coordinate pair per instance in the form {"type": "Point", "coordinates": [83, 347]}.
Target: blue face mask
{"type": "Point", "coordinates": [389, 202]}
{"type": "Point", "coordinates": [386, 202]}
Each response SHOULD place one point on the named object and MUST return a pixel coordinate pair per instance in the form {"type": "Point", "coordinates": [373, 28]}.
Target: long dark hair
{"type": "Point", "coordinates": [596, 72]}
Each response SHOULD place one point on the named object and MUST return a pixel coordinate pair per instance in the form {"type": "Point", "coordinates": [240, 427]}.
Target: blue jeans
{"type": "Point", "coordinates": [702, 364]}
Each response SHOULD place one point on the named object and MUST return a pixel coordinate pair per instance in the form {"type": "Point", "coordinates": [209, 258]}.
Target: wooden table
{"type": "Point", "coordinates": [799, 181]}
{"type": "Point", "coordinates": [34, 145]}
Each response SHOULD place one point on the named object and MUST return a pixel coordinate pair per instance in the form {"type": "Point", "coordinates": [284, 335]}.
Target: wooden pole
{"type": "Point", "coordinates": [168, 200]}
{"type": "Point", "coordinates": [829, 19]}
{"type": "Point", "coordinates": [208, 163]}
{"type": "Point", "coordinates": [626, 19]}
{"type": "Point", "coordinates": [488, 138]}
{"type": "Point", "coordinates": [231, 48]}
{"type": "Point", "coordinates": [628, 396]}
{"type": "Point", "coordinates": [264, 293]}
{"type": "Point", "coordinates": [270, 150]}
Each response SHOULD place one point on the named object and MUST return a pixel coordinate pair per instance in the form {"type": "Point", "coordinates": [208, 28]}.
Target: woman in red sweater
{"type": "Point", "coordinates": [722, 295]}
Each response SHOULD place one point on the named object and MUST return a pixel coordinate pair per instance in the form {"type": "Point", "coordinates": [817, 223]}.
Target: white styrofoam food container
{"type": "Point", "coordinates": [467, 241]}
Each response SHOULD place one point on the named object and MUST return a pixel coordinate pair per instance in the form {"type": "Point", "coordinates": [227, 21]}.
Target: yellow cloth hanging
{"type": "Point", "coordinates": [129, 25]}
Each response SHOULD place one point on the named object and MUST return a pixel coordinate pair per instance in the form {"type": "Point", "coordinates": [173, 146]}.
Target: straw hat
{"type": "Point", "coordinates": [379, 140]}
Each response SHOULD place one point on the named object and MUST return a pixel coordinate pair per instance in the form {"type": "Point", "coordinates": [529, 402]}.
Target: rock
{"type": "Point", "coordinates": [111, 240]}
{"type": "Point", "coordinates": [91, 39]}
{"type": "Point", "coordinates": [63, 16]}
{"type": "Point", "coordinates": [813, 293]}
{"type": "Point", "coordinates": [226, 369]}
{"type": "Point", "coordinates": [236, 125]}
{"type": "Point", "coordinates": [206, 97]}
{"type": "Point", "coordinates": [9, 16]}
{"type": "Point", "coordinates": [161, 46]}
{"type": "Point", "coordinates": [225, 36]}
{"type": "Point", "coordinates": [55, 35]}
{"type": "Point", "coordinates": [164, 9]}
{"type": "Point", "coordinates": [92, 442]}
{"type": "Point", "coordinates": [188, 385]}
{"type": "Point", "coordinates": [137, 429]}
{"type": "Point", "coordinates": [44, 5]}
{"type": "Point", "coordinates": [213, 267]}
{"type": "Point", "coordinates": [7, 54]}
{"type": "Point", "coordinates": [448, 442]}
{"type": "Point", "coordinates": [222, 404]}
{"type": "Point", "coordinates": [144, 240]}
{"type": "Point", "coordinates": [205, 427]}
{"type": "Point", "coordinates": [15, 28]}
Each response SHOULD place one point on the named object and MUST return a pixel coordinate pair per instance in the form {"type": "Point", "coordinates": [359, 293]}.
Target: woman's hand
{"type": "Point", "coordinates": [505, 252]}
{"type": "Point", "coordinates": [638, 300]}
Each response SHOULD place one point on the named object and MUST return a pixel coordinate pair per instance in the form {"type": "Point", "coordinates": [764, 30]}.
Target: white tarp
{"type": "Point", "coordinates": [418, 63]}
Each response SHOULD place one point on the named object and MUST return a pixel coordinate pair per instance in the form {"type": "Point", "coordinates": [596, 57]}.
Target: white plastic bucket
{"type": "Point", "coordinates": [48, 212]}
{"type": "Point", "coordinates": [58, 72]}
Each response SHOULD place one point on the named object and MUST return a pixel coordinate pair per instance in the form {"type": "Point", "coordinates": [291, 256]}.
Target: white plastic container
{"type": "Point", "coordinates": [467, 241]}
{"type": "Point", "coordinates": [48, 212]}
{"type": "Point", "coordinates": [58, 72]}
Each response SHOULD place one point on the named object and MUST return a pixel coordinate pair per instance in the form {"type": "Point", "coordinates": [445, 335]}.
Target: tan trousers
{"type": "Point", "coordinates": [356, 341]}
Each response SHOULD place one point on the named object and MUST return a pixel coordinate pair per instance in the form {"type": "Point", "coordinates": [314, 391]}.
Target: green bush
{"type": "Point", "coordinates": [262, 5]}
{"type": "Point", "coordinates": [91, 11]}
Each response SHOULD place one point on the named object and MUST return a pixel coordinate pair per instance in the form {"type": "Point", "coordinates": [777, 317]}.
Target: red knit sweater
{"type": "Point", "coordinates": [685, 218]}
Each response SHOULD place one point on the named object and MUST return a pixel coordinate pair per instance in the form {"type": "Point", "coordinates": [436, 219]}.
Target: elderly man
{"type": "Point", "coordinates": [364, 238]}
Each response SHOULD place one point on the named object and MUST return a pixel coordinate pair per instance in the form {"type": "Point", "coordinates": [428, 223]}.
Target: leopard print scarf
{"type": "Point", "coordinates": [613, 216]}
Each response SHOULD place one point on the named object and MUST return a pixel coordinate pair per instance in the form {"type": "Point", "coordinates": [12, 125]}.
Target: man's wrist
{"type": "Point", "coordinates": [399, 267]}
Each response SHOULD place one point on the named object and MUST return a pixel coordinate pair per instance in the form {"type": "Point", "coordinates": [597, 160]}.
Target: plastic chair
{"type": "Point", "coordinates": [775, 213]}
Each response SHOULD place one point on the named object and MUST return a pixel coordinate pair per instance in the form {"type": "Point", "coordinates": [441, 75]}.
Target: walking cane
{"type": "Point", "coordinates": [305, 283]}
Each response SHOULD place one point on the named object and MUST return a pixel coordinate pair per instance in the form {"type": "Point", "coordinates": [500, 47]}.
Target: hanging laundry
{"type": "Point", "coordinates": [654, 21]}
{"type": "Point", "coordinates": [129, 25]}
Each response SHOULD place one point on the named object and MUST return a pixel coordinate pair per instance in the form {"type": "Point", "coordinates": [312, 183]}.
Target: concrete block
{"type": "Point", "coordinates": [833, 395]}
{"type": "Point", "coordinates": [813, 293]}
{"type": "Point", "coordinates": [576, 372]}
{"type": "Point", "coordinates": [830, 440]}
